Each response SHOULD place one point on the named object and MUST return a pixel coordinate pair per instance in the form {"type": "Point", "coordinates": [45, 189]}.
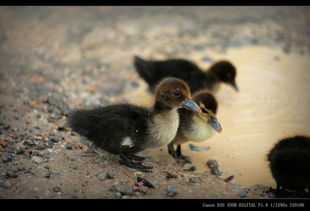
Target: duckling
{"type": "Point", "coordinates": [126, 129]}
{"type": "Point", "coordinates": [154, 71]}
{"type": "Point", "coordinates": [289, 161]}
{"type": "Point", "coordinates": [196, 127]}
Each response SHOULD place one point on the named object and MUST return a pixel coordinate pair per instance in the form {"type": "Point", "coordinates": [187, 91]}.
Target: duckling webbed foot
{"type": "Point", "coordinates": [128, 160]}
{"type": "Point", "coordinates": [137, 166]}
{"type": "Point", "coordinates": [180, 156]}
{"type": "Point", "coordinates": [137, 158]}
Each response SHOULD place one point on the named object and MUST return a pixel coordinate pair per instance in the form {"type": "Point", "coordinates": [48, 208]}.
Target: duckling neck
{"type": "Point", "coordinates": [211, 81]}
{"type": "Point", "coordinates": [159, 108]}
{"type": "Point", "coordinates": [212, 76]}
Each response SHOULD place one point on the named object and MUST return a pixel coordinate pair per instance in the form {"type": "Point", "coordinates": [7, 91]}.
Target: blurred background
{"type": "Point", "coordinates": [54, 59]}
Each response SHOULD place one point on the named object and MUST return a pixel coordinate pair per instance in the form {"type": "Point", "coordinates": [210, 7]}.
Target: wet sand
{"type": "Point", "coordinates": [272, 104]}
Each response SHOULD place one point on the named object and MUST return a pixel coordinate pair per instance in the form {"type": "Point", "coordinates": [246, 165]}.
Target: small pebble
{"type": "Point", "coordinates": [37, 159]}
{"type": "Point", "coordinates": [19, 148]}
{"type": "Point", "coordinates": [104, 176]}
{"type": "Point", "coordinates": [118, 195]}
{"type": "Point", "coordinates": [144, 189]}
{"type": "Point", "coordinates": [69, 146]}
{"type": "Point", "coordinates": [30, 143]}
{"type": "Point", "coordinates": [213, 165]}
{"type": "Point", "coordinates": [195, 180]}
{"type": "Point", "coordinates": [170, 174]}
{"type": "Point", "coordinates": [193, 168]}
{"type": "Point", "coordinates": [242, 194]}
{"type": "Point", "coordinates": [40, 147]}
{"type": "Point", "coordinates": [171, 191]}
{"type": "Point", "coordinates": [21, 168]}
{"type": "Point", "coordinates": [54, 140]}
{"type": "Point", "coordinates": [124, 189]}
{"type": "Point", "coordinates": [197, 148]}
{"type": "Point", "coordinates": [38, 153]}
{"type": "Point", "coordinates": [6, 158]}
{"type": "Point", "coordinates": [47, 175]}
{"type": "Point", "coordinates": [56, 189]}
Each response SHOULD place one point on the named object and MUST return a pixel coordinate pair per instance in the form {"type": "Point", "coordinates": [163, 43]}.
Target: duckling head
{"type": "Point", "coordinates": [206, 99]}
{"type": "Point", "coordinates": [225, 72]}
{"type": "Point", "coordinates": [175, 93]}
{"type": "Point", "coordinates": [208, 106]}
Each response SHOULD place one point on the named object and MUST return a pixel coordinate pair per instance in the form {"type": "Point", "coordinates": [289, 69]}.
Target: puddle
{"type": "Point", "coordinates": [273, 103]}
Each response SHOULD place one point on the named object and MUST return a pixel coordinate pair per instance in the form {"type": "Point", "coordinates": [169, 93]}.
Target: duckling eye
{"type": "Point", "coordinates": [176, 94]}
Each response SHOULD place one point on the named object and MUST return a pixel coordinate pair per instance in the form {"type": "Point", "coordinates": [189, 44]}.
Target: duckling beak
{"type": "Point", "coordinates": [215, 124]}
{"type": "Point", "coordinates": [191, 105]}
{"type": "Point", "coordinates": [234, 85]}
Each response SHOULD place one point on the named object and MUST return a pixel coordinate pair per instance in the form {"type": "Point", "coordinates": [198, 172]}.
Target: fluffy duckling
{"type": "Point", "coordinates": [154, 71]}
{"type": "Point", "coordinates": [196, 127]}
{"type": "Point", "coordinates": [289, 161]}
{"type": "Point", "coordinates": [125, 129]}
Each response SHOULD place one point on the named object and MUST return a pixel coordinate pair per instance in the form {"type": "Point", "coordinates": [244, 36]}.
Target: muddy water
{"type": "Point", "coordinates": [273, 103]}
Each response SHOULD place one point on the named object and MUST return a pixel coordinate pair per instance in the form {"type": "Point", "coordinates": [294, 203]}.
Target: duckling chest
{"type": "Point", "coordinates": [163, 128]}
{"type": "Point", "coordinates": [198, 131]}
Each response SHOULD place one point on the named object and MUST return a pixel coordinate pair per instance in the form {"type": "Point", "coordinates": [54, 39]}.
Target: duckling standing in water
{"type": "Point", "coordinates": [289, 161]}
{"type": "Point", "coordinates": [126, 129]}
{"type": "Point", "coordinates": [196, 127]}
{"type": "Point", "coordinates": [154, 71]}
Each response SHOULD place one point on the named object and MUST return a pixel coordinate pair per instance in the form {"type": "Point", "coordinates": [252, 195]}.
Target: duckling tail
{"type": "Point", "coordinates": [144, 69]}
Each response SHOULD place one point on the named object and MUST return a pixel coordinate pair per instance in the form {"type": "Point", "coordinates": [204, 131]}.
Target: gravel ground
{"type": "Point", "coordinates": [54, 59]}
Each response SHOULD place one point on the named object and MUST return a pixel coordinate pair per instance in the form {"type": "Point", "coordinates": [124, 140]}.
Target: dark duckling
{"type": "Point", "coordinates": [126, 129]}
{"type": "Point", "coordinates": [196, 127]}
{"type": "Point", "coordinates": [154, 71]}
{"type": "Point", "coordinates": [289, 161]}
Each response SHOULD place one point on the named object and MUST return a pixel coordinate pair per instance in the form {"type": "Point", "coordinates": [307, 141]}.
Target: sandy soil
{"type": "Point", "coordinates": [54, 59]}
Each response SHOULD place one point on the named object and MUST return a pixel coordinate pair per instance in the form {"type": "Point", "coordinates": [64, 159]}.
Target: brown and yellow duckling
{"type": "Point", "coordinates": [194, 126]}
{"type": "Point", "coordinates": [125, 129]}
{"type": "Point", "coordinates": [154, 71]}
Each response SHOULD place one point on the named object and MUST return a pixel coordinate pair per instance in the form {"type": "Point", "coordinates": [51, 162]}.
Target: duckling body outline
{"type": "Point", "coordinates": [193, 127]}
{"type": "Point", "coordinates": [123, 119]}
{"type": "Point", "coordinates": [289, 162]}
{"type": "Point", "coordinates": [153, 71]}
{"type": "Point", "coordinates": [126, 129]}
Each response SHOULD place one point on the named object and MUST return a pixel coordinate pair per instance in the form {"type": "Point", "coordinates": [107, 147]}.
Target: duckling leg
{"type": "Point", "coordinates": [171, 150]}
{"type": "Point", "coordinates": [180, 156]}
{"type": "Point", "coordinates": [177, 154]}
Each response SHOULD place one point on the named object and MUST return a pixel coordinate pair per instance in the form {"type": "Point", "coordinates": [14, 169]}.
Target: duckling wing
{"type": "Point", "coordinates": [154, 71]}
{"type": "Point", "coordinates": [108, 126]}
{"type": "Point", "coordinates": [179, 68]}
